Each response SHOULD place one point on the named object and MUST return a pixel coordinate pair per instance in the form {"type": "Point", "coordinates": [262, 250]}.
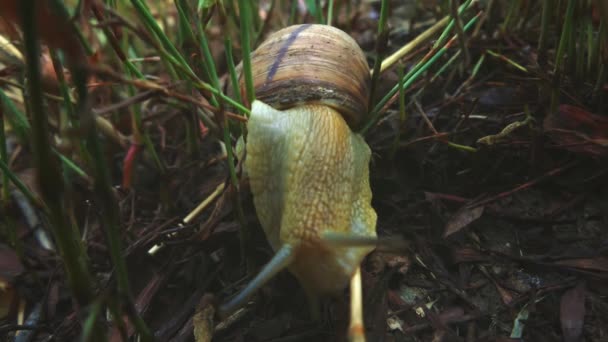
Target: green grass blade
{"type": "Point", "coordinates": [49, 173]}
{"type": "Point", "coordinates": [412, 76]}
{"type": "Point", "coordinates": [245, 14]}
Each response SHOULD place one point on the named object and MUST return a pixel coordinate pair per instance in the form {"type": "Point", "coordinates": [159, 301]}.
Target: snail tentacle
{"type": "Point", "coordinates": [279, 262]}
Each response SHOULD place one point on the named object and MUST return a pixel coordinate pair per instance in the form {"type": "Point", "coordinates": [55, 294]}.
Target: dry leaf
{"type": "Point", "coordinates": [577, 130]}
{"type": "Point", "coordinates": [203, 320]}
{"type": "Point", "coordinates": [394, 323]}
{"type": "Point", "coordinates": [462, 218]}
{"type": "Point", "coordinates": [589, 264]}
{"type": "Point", "coordinates": [572, 313]}
{"type": "Point", "coordinates": [10, 265]}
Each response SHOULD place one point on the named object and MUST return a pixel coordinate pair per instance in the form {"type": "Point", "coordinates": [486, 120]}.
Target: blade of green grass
{"type": "Point", "coordinates": [381, 42]}
{"type": "Point", "coordinates": [544, 29]}
{"type": "Point", "coordinates": [232, 70]}
{"type": "Point", "coordinates": [3, 158]}
{"type": "Point", "coordinates": [245, 16]}
{"type": "Point", "coordinates": [169, 52]}
{"type": "Point", "coordinates": [14, 116]}
{"type": "Point", "coordinates": [33, 199]}
{"type": "Point", "coordinates": [559, 55]}
{"type": "Point", "coordinates": [462, 39]}
{"type": "Point", "coordinates": [103, 190]}
{"type": "Point", "coordinates": [402, 112]}
{"type": "Point", "coordinates": [22, 127]}
{"type": "Point", "coordinates": [293, 12]}
{"type": "Point", "coordinates": [413, 75]}
{"type": "Point", "coordinates": [139, 136]}
{"type": "Point", "coordinates": [448, 29]}
{"type": "Point", "coordinates": [49, 174]}
{"type": "Point", "coordinates": [330, 11]}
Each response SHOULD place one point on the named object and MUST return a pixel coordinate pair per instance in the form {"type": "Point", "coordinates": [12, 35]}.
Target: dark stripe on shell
{"type": "Point", "coordinates": [283, 51]}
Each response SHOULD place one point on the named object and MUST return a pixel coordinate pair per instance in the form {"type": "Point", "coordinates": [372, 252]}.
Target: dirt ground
{"type": "Point", "coordinates": [502, 203]}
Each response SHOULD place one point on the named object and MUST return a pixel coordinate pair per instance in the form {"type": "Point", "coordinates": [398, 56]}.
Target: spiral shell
{"type": "Point", "coordinates": [312, 64]}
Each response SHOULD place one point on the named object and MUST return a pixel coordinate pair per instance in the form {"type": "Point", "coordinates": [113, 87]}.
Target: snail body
{"type": "Point", "coordinates": [300, 192]}
{"type": "Point", "coordinates": [307, 168]}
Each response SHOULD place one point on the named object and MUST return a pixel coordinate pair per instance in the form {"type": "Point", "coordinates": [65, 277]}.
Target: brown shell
{"type": "Point", "coordinates": [310, 64]}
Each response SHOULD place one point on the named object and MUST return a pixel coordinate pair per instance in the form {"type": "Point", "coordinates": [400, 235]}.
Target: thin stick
{"type": "Point", "coordinates": [205, 203]}
{"type": "Point", "coordinates": [409, 47]}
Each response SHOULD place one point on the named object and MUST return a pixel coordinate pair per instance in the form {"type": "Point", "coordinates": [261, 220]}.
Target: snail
{"type": "Point", "coordinates": [308, 169]}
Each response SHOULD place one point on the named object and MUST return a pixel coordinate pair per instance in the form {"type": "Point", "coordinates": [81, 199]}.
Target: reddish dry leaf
{"type": "Point", "coordinates": [577, 119]}
{"type": "Point", "coordinates": [434, 196]}
{"type": "Point", "coordinates": [128, 163]}
{"type": "Point", "coordinates": [203, 319]}
{"type": "Point", "coordinates": [375, 263]}
{"type": "Point", "coordinates": [439, 336]}
{"type": "Point", "coordinates": [451, 315]}
{"type": "Point", "coordinates": [54, 27]}
{"type": "Point", "coordinates": [467, 254]}
{"type": "Point", "coordinates": [10, 265]}
{"type": "Point", "coordinates": [204, 130]}
{"type": "Point", "coordinates": [462, 218]}
{"type": "Point", "coordinates": [141, 304]}
{"type": "Point", "coordinates": [572, 313]}
{"type": "Point", "coordinates": [505, 295]}
{"type": "Point", "coordinates": [52, 300]}
{"type": "Point", "coordinates": [115, 332]}
{"type": "Point", "coordinates": [401, 262]}
{"type": "Point", "coordinates": [503, 95]}
{"type": "Point", "coordinates": [577, 130]}
{"type": "Point", "coordinates": [9, 299]}
{"type": "Point", "coordinates": [394, 300]}
{"type": "Point", "coordinates": [590, 264]}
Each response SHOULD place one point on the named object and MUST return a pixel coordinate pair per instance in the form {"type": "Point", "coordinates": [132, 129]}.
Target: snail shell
{"type": "Point", "coordinates": [312, 64]}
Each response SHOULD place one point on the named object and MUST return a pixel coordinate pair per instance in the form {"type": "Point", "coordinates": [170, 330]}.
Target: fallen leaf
{"type": "Point", "coordinates": [572, 313]}
{"type": "Point", "coordinates": [394, 299]}
{"type": "Point", "coordinates": [128, 163]}
{"type": "Point", "coordinates": [401, 262]}
{"type": "Point", "coordinates": [519, 323]}
{"type": "Point", "coordinates": [467, 254]}
{"type": "Point", "coordinates": [52, 300]}
{"type": "Point", "coordinates": [505, 295]}
{"type": "Point", "coordinates": [502, 96]}
{"type": "Point", "coordinates": [577, 130]}
{"type": "Point", "coordinates": [58, 30]}
{"type": "Point", "coordinates": [394, 323]}
{"type": "Point", "coordinates": [203, 320]}
{"type": "Point", "coordinates": [462, 218]}
{"type": "Point", "coordinates": [8, 299]}
{"type": "Point", "coordinates": [590, 264]}
{"type": "Point", "coordinates": [10, 265]}
{"type": "Point", "coordinates": [272, 328]}
{"type": "Point", "coordinates": [451, 314]}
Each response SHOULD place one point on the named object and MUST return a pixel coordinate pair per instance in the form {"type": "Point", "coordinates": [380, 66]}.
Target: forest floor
{"type": "Point", "coordinates": [501, 198]}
